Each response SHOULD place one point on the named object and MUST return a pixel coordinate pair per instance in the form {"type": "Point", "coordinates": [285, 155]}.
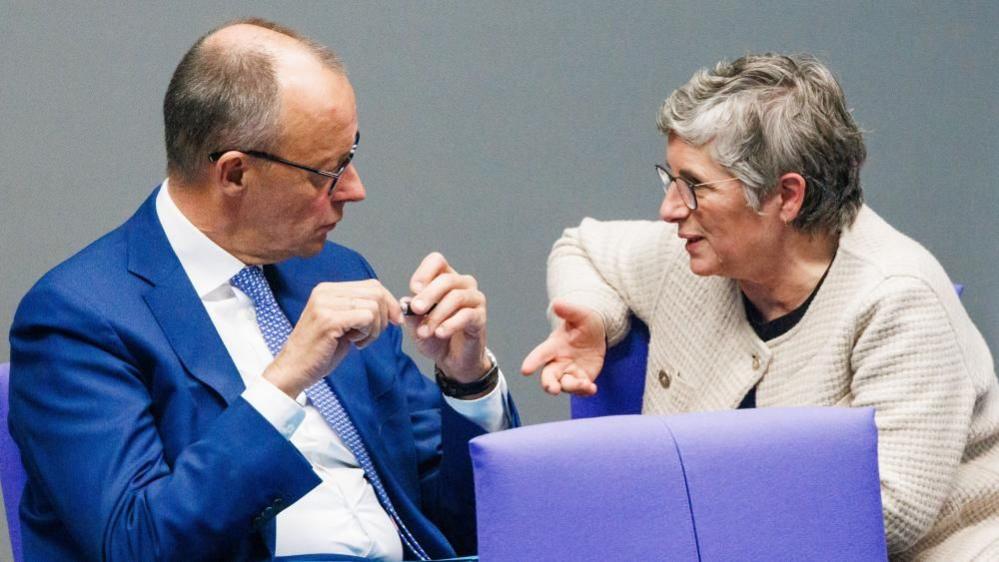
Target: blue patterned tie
{"type": "Point", "coordinates": [276, 328]}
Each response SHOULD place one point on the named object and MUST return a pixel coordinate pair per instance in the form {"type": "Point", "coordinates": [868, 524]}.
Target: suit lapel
{"type": "Point", "coordinates": [185, 322]}
{"type": "Point", "coordinates": [176, 306]}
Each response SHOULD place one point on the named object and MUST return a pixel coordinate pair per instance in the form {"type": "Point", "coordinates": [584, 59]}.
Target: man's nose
{"type": "Point", "coordinates": [349, 187]}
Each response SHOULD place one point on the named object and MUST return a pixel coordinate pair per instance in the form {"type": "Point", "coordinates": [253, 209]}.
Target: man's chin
{"type": "Point", "coordinates": [312, 249]}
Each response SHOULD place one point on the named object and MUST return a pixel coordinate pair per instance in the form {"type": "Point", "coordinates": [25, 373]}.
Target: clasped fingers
{"type": "Point", "coordinates": [336, 316]}
{"type": "Point", "coordinates": [358, 311]}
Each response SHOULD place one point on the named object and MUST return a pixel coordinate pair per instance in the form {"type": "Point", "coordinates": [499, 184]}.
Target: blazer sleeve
{"type": "Point", "coordinates": [82, 414]}
{"type": "Point", "coordinates": [615, 268]}
{"type": "Point", "coordinates": [909, 366]}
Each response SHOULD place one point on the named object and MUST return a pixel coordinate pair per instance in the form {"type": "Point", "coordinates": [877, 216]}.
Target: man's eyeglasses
{"type": "Point", "coordinates": [334, 175]}
{"type": "Point", "coordinates": [685, 187]}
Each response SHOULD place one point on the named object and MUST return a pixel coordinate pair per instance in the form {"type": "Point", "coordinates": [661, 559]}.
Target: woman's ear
{"type": "Point", "coordinates": [791, 189]}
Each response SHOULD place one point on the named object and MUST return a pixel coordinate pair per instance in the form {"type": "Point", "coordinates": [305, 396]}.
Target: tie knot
{"type": "Point", "coordinates": [252, 282]}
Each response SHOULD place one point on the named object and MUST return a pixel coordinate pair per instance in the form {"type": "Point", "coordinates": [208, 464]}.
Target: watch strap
{"type": "Point", "coordinates": [455, 389]}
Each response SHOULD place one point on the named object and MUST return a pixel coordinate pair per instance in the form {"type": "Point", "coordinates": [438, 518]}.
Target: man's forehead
{"type": "Point", "coordinates": [318, 116]}
{"type": "Point", "coordinates": [323, 96]}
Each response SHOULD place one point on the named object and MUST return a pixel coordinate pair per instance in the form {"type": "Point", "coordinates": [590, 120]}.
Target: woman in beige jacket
{"type": "Point", "coordinates": [769, 283]}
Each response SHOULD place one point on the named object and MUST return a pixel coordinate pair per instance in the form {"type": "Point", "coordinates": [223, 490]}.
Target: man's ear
{"type": "Point", "coordinates": [229, 171]}
{"type": "Point", "coordinates": [791, 189]}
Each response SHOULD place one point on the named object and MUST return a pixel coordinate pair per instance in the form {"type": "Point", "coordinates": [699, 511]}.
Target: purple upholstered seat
{"type": "Point", "coordinates": [767, 484]}
{"type": "Point", "coordinates": [12, 476]}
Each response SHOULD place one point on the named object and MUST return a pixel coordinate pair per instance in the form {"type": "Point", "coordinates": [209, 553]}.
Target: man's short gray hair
{"type": "Point", "coordinates": [766, 115]}
{"type": "Point", "coordinates": [224, 97]}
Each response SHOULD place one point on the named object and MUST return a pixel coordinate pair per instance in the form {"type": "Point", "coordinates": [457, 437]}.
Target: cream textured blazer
{"type": "Point", "coordinates": [886, 330]}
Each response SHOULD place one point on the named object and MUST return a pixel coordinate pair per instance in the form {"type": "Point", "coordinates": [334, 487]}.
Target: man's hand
{"type": "Point", "coordinates": [572, 356]}
{"type": "Point", "coordinates": [336, 316]}
{"type": "Point", "coordinates": [449, 319]}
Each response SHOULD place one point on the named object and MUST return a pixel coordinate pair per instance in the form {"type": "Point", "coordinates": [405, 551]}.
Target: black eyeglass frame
{"type": "Point", "coordinates": [690, 187]}
{"type": "Point", "coordinates": [335, 176]}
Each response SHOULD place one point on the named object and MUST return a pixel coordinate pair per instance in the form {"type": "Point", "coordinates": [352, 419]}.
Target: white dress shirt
{"type": "Point", "coordinates": [342, 514]}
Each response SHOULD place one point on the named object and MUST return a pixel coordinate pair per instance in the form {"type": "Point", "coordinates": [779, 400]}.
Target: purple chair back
{"type": "Point", "coordinates": [12, 476]}
{"type": "Point", "coordinates": [767, 484]}
{"type": "Point", "coordinates": [622, 380]}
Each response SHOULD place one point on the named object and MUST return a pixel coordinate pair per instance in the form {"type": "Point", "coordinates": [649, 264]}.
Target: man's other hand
{"type": "Point", "coordinates": [448, 321]}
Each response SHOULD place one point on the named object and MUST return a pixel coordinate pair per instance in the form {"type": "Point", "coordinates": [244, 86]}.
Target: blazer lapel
{"type": "Point", "coordinates": [723, 382]}
{"type": "Point", "coordinates": [177, 308]}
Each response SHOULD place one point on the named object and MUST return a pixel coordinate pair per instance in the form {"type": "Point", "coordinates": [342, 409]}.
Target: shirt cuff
{"type": "Point", "coordinates": [284, 413]}
{"type": "Point", "coordinates": [488, 411]}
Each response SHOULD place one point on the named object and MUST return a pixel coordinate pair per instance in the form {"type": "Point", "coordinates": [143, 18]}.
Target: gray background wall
{"type": "Point", "coordinates": [490, 127]}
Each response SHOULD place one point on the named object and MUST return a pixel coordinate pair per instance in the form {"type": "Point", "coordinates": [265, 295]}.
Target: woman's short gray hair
{"type": "Point", "coordinates": [766, 115]}
{"type": "Point", "coordinates": [224, 97]}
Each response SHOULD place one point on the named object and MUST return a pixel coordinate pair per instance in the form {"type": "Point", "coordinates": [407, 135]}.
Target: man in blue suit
{"type": "Point", "coordinates": [213, 380]}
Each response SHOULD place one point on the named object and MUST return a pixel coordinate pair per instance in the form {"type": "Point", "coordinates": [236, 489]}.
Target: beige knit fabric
{"type": "Point", "coordinates": [886, 330]}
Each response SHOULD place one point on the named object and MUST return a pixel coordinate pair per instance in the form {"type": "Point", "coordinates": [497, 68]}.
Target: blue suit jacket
{"type": "Point", "coordinates": [127, 410]}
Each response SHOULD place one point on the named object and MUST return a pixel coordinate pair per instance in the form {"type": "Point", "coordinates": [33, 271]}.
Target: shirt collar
{"type": "Point", "coordinates": [207, 264]}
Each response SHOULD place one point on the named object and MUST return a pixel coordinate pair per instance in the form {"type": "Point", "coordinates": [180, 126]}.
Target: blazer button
{"type": "Point", "coordinates": [664, 379]}
{"type": "Point", "coordinates": [756, 361]}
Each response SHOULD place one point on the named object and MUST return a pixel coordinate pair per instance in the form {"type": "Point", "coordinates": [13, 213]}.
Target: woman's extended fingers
{"type": "Point", "coordinates": [564, 376]}
{"type": "Point", "coordinates": [551, 377]}
{"type": "Point", "coordinates": [575, 380]}
{"type": "Point", "coordinates": [541, 355]}
{"type": "Point", "coordinates": [564, 367]}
